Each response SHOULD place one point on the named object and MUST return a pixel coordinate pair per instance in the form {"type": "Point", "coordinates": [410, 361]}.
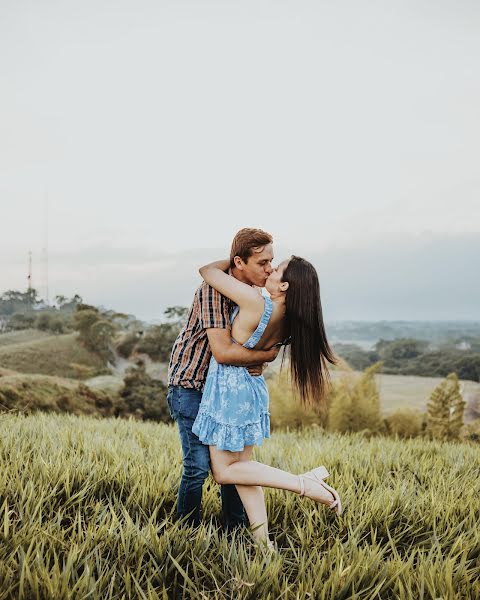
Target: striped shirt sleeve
{"type": "Point", "coordinates": [213, 309]}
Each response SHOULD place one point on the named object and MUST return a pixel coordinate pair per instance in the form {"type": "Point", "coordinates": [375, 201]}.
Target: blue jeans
{"type": "Point", "coordinates": [183, 404]}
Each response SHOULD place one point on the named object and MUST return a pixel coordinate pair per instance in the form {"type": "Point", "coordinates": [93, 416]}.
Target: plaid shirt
{"type": "Point", "coordinates": [191, 352]}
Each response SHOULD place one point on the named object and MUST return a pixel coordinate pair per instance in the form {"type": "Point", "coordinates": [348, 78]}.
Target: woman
{"type": "Point", "coordinates": [233, 414]}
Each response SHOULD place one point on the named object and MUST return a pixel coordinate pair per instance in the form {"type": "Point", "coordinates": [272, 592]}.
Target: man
{"type": "Point", "coordinates": [207, 331]}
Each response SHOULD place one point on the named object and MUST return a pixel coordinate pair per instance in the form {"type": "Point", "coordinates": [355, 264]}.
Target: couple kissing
{"type": "Point", "coordinates": [217, 393]}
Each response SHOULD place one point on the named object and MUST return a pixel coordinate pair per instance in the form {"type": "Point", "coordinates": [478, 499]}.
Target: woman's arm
{"type": "Point", "coordinates": [241, 293]}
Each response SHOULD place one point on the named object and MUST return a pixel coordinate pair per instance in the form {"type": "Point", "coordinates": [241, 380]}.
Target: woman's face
{"type": "Point", "coordinates": [274, 283]}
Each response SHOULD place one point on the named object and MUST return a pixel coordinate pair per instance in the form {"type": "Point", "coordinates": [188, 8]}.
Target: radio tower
{"type": "Point", "coordinates": [29, 271]}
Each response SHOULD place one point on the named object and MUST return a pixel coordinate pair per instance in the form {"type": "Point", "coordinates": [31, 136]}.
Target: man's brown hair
{"type": "Point", "coordinates": [246, 241]}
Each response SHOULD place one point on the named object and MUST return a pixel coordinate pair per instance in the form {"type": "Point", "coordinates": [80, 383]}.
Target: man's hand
{"type": "Point", "coordinates": [257, 370]}
{"type": "Point", "coordinates": [272, 353]}
{"type": "Point", "coordinates": [228, 353]}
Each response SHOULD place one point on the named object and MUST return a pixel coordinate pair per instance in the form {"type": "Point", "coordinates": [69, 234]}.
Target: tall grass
{"type": "Point", "coordinates": [86, 511]}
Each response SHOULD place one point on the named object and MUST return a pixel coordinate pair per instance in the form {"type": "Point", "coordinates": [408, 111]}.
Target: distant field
{"type": "Point", "coordinates": [59, 355]}
{"type": "Point", "coordinates": [400, 391]}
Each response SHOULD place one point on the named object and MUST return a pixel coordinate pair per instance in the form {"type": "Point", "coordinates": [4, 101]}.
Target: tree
{"type": "Point", "coordinates": [176, 313]}
{"type": "Point", "coordinates": [159, 339]}
{"type": "Point", "coordinates": [14, 301]}
{"type": "Point", "coordinates": [144, 396]}
{"type": "Point", "coordinates": [100, 338]}
{"type": "Point", "coordinates": [68, 305]}
{"type": "Point", "coordinates": [445, 410]}
{"type": "Point", "coordinates": [403, 349]}
{"type": "Point", "coordinates": [95, 331]}
{"type": "Point", "coordinates": [355, 356]}
{"type": "Point", "coordinates": [83, 320]}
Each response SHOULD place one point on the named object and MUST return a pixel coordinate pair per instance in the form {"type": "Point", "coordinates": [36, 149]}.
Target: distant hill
{"type": "Point", "coordinates": [32, 351]}
{"type": "Point", "coordinates": [30, 393]}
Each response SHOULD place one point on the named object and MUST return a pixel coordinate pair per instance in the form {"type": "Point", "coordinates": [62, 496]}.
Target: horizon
{"type": "Point", "coordinates": [428, 276]}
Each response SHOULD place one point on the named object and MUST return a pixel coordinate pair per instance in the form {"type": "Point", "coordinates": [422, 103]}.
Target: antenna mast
{"type": "Point", "coordinates": [29, 271]}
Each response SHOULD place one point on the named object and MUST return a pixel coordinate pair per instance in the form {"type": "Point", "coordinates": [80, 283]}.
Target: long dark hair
{"type": "Point", "coordinates": [309, 348]}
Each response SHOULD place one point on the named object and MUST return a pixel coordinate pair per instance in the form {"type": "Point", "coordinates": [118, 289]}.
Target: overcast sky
{"type": "Point", "coordinates": [157, 129]}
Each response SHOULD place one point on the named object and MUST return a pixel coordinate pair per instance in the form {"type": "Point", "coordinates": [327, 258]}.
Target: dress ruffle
{"type": "Point", "coordinates": [231, 437]}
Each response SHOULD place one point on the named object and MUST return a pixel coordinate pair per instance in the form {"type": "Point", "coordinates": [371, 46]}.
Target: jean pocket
{"type": "Point", "coordinates": [189, 402]}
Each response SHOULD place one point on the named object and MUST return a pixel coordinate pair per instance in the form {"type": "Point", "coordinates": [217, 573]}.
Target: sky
{"type": "Point", "coordinates": [141, 135]}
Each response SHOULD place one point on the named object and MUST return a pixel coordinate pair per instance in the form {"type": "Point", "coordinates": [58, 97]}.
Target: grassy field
{"type": "Point", "coordinates": [24, 335]}
{"type": "Point", "coordinates": [86, 511]}
{"type": "Point", "coordinates": [58, 355]}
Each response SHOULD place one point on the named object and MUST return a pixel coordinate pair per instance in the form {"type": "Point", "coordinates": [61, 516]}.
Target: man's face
{"type": "Point", "coordinates": [258, 267]}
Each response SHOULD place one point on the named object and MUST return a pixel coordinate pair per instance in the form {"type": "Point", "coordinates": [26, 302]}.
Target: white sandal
{"type": "Point", "coordinates": [318, 475]}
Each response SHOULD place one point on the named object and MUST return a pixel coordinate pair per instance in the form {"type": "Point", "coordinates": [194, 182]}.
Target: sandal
{"type": "Point", "coordinates": [318, 475]}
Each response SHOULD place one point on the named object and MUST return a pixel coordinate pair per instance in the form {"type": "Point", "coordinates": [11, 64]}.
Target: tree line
{"type": "Point", "coordinates": [410, 356]}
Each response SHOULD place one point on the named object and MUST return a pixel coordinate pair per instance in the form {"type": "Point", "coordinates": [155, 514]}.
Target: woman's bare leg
{"type": "Point", "coordinates": [227, 468]}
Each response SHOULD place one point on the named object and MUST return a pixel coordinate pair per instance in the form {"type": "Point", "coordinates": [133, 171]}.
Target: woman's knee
{"type": "Point", "coordinates": [220, 474]}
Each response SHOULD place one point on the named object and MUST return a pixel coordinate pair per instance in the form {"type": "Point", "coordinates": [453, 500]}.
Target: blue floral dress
{"type": "Point", "coordinates": [233, 412]}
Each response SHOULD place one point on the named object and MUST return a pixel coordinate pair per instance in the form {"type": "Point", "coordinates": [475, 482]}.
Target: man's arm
{"type": "Point", "coordinates": [228, 353]}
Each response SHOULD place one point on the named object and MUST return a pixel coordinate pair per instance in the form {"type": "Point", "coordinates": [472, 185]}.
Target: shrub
{"type": "Point", "coordinates": [143, 396]}
{"type": "Point", "coordinates": [57, 325]}
{"type": "Point", "coordinates": [43, 321]}
{"type": "Point", "coordinates": [158, 341]}
{"type": "Point", "coordinates": [472, 431]}
{"type": "Point", "coordinates": [355, 403]}
{"type": "Point", "coordinates": [404, 422]}
{"type": "Point", "coordinates": [20, 321]}
{"type": "Point", "coordinates": [126, 344]}
{"type": "Point", "coordinates": [285, 409]}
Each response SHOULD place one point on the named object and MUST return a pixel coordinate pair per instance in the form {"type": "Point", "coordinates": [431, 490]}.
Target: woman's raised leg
{"type": "Point", "coordinates": [227, 468]}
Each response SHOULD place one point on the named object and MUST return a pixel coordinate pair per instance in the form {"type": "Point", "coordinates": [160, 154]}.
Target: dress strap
{"type": "Point", "coordinates": [257, 334]}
